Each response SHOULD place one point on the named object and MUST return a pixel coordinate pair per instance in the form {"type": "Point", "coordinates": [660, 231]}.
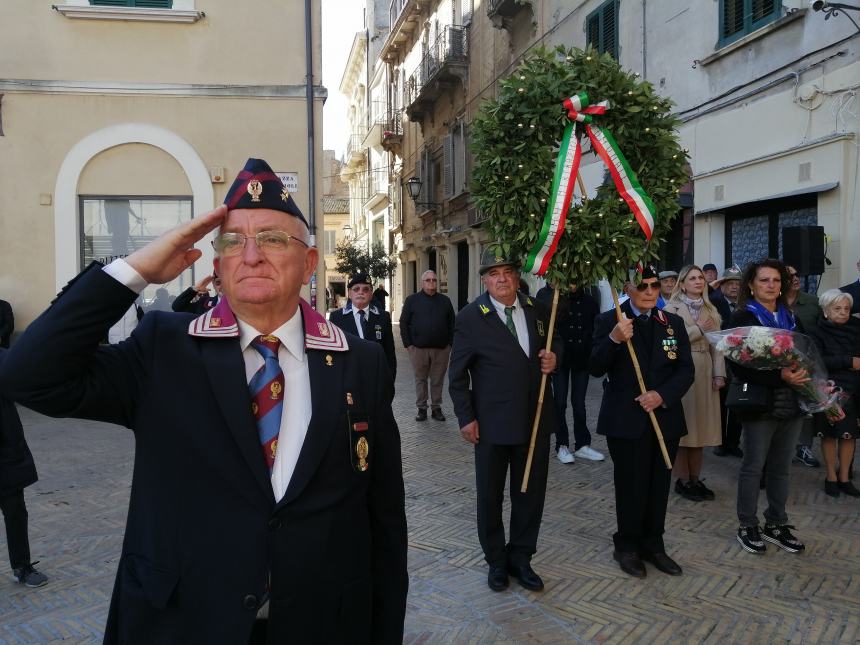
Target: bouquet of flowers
{"type": "Point", "coordinates": [769, 348]}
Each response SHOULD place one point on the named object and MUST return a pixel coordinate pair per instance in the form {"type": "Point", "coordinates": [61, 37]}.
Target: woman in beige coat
{"type": "Point", "coordinates": [702, 401]}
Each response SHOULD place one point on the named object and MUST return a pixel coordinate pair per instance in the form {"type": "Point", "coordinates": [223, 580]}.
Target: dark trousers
{"type": "Point", "coordinates": [575, 380]}
{"type": "Point", "coordinates": [641, 491]}
{"type": "Point", "coordinates": [491, 466]}
{"type": "Point", "coordinates": [730, 423]}
{"type": "Point", "coordinates": [15, 517]}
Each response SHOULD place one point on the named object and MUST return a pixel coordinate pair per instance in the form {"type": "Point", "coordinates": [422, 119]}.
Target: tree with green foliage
{"type": "Point", "coordinates": [351, 258]}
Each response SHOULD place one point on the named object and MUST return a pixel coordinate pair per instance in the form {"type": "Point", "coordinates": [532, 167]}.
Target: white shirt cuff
{"type": "Point", "coordinates": [122, 272]}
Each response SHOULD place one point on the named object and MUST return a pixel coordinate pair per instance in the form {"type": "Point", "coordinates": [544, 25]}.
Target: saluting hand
{"type": "Point", "coordinates": [171, 253]}
{"type": "Point", "coordinates": [470, 433]}
{"type": "Point", "coordinates": [547, 361]}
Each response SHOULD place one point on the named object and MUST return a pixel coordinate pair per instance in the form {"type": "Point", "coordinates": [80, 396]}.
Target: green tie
{"type": "Point", "coordinates": [509, 321]}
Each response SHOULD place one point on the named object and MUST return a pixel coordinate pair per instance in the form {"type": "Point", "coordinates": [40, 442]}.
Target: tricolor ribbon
{"type": "Point", "coordinates": [566, 168]}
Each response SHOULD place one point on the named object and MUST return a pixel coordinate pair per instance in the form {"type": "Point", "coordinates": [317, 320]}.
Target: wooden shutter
{"type": "Point", "coordinates": [448, 166]}
{"type": "Point", "coordinates": [762, 9]}
{"type": "Point", "coordinates": [592, 30]}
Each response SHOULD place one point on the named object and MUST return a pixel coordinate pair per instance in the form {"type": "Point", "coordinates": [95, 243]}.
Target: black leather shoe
{"type": "Point", "coordinates": [497, 579]}
{"type": "Point", "coordinates": [422, 415]}
{"type": "Point", "coordinates": [663, 562]}
{"type": "Point", "coordinates": [736, 452]}
{"type": "Point", "coordinates": [630, 563]}
{"type": "Point", "coordinates": [526, 576]}
{"type": "Point", "coordinates": [437, 414]}
{"type": "Point", "coordinates": [719, 451]}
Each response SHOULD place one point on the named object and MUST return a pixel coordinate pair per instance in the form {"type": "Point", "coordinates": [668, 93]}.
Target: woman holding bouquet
{"type": "Point", "coordinates": [701, 403]}
{"type": "Point", "coordinates": [770, 436]}
{"type": "Point", "coordinates": [838, 338]}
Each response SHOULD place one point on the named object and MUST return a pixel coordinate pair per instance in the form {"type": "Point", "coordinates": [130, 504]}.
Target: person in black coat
{"type": "Point", "coordinates": [641, 477]}
{"type": "Point", "coordinates": [854, 289]}
{"type": "Point", "coordinates": [837, 336]}
{"type": "Point", "coordinates": [575, 323]}
{"type": "Point", "coordinates": [497, 359]}
{"type": "Point", "coordinates": [17, 471]}
{"type": "Point", "coordinates": [7, 323]}
{"type": "Point", "coordinates": [235, 535]}
{"type": "Point", "coordinates": [361, 318]}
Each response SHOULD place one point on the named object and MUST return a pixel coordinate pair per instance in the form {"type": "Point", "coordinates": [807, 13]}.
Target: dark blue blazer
{"type": "Point", "coordinates": [378, 330]}
{"type": "Point", "coordinates": [492, 380]}
{"type": "Point", "coordinates": [621, 415]}
{"type": "Point", "coordinates": [204, 538]}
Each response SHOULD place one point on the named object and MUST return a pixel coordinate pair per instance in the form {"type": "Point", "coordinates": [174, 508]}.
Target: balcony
{"type": "Point", "coordinates": [502, 12]}
{"type": "Point", "coordinates": [386, 127]}
{"type": "Point", "coordinates": [355, 149]}
{"type": "Point", "coordinates": [443, 65]}
{"type": "Point", "coordinates": [375, 185]}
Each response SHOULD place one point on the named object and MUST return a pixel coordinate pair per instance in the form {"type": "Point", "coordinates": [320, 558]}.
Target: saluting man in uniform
{"type": "Point", "coordinates": [361, 318]}
{"type": "Point", "coordinates": [641, 476]}
{"type": "Point", "coordinates": [267, 501]}
{"type": "Point", "coordinates": [497, 359]}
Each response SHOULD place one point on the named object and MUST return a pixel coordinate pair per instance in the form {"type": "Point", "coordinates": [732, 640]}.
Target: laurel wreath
{"type": "Point", "coordinates": [515, 142]}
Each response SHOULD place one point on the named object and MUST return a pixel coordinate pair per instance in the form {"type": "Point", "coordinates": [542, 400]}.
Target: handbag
{"type": "Point", "coordinates": [746, 397]}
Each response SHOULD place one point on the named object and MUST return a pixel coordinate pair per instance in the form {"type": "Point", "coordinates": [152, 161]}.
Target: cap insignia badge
{"type": "Point", "coordinates": [285, 194]}
{"type": "Point", "coordinates": [255, 189]}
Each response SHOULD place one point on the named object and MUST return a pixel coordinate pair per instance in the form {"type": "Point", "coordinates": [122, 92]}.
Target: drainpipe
{"type": "Point", "coordinates": [309, 99]}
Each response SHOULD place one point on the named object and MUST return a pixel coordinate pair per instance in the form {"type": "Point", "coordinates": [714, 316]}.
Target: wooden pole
{"type": "Point", "coordinates": [536, 423]}
{"type": "Point", "coordinates": [633, 356]}
{"type": "Point", "coordinates": [642, 388]}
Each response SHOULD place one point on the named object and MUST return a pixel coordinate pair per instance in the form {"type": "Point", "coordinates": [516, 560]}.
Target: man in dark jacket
{"type": "Point", "coordinates": [7, 323]}
{"type": "Point", "coordinates": [17, 471]}
{"type": "Point", "coordinates": [361, 318]}
{"type": "Point", "coordinates": [641, 477]}
{"type": "Point", "coordinates": [575, 324]}
{"type": "Point", "coordinates": [196, 299]}
{"type": "Point", "coordinates": [267, 500]}
{"type": "Point", "coordinates": [496, 364]}
{"type": "Point", "coordinates": [854, 289]}
{"type": "Point", "coordinates": [427, 329]}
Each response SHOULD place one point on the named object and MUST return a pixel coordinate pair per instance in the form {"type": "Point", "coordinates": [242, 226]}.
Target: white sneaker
{"type": "Point", "coordinates": [564, 455]}
{"type": "Point", "coordinates": [587, 452]}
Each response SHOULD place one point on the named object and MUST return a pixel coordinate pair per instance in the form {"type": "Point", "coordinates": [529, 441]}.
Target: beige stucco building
{"type": "Point", "coordinates": [119, 122]}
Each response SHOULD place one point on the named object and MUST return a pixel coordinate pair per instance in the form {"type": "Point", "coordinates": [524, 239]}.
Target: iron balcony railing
{"type": "Point", "coordinates": [354, 144]}
{"type": "Point", "coordinates": [450, 49]}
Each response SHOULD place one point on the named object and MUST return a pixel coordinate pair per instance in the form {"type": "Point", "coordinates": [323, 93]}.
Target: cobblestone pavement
{"type": "Point", "coordinates": [78, 508]}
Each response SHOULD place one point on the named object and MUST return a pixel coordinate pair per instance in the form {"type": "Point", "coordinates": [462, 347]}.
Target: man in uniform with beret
{"type": "Point", "coordinates": [497, 359]}
{"type": "Point", "coordinates": [361, 318]}
{"type": "Point", "coordinates": [641, 476]}
{"type": "Point", "coordinates": [267, 500]}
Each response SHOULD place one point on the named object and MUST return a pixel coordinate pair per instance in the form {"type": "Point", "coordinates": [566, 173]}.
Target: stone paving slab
{"type": "Point", "coordinates": [78, 510]}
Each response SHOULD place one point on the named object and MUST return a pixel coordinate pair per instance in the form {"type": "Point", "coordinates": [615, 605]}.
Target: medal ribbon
{"type": "Point", "coordinates": [566, 168]}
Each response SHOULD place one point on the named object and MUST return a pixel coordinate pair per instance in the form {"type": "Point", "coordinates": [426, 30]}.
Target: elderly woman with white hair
{"type": "Point", "coordinates": [838, 339]}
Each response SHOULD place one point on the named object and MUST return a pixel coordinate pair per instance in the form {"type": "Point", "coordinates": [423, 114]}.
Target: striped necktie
{"type": "Point", "coordinates": [267, 396]}
{"type": "Point", "coordinates": [509, 321]}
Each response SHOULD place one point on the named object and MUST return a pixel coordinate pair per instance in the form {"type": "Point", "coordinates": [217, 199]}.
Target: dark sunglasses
{"type": "Point", "coordinates": [643, 286]}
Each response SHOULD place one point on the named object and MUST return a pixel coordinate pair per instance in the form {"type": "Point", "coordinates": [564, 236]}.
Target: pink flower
{"type": "Point", "coordinates": [776, 350]}
{"type": "Point", "coordinates": [734, 340]}
{"type": "Point", "coordinates": [746, 355]}
{"type": "Point", "coordinates": [784, 341]}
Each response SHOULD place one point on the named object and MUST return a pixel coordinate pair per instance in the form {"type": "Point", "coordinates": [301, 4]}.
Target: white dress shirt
{"type": "Point", "coordinates": [357, 319]}
{"type": "Point", "coordinates": [297, 409]}
{"type": "Point", "coordinates": [519, 318]}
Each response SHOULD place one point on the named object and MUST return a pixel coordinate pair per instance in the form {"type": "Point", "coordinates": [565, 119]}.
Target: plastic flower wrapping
{"type": "Point", "coordinates": [769, 348]}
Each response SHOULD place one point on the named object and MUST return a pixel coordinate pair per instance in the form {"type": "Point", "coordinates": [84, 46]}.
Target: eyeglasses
{"type": "Point", "coordinates": [361, 288]}
{"type": "Point", "coordinates": [643, 286]}
{"type": "Point", "coordinates": [231, 244]}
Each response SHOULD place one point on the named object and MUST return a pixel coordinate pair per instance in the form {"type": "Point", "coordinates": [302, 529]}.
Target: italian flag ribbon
{"type": "Point", "coordinates": [579, 110]}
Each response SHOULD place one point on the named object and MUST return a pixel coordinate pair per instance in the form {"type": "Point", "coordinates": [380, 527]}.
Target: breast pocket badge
{"type": "Point", "coordinates": [359, 441]}
{"type": "Point", "coordinates": [540, 328]}
{"type": "Point", "coordinates": [670, 346]}
{"type": "Point", "coordinates": [378, 330]}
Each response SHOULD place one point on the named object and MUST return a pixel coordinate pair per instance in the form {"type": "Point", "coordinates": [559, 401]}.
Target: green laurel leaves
{"type": "Point", "coordinates": [515, 141]}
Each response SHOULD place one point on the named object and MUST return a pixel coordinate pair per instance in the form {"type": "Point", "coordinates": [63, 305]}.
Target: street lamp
{"type": "Point", "coordinates": [413, 185]}
{"type": "Point", "coordinates": [347, 230]}
{"type": "Point", "coordinates": [833, 8]}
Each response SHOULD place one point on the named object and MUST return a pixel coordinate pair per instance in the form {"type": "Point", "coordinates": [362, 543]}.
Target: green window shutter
{"type": "Point", "coordinates": [609, 37]}
{"type": "Point", "coordinates": [592, 29]}
{"type": "Point", "coordinates": [762, 9]}
{"type": "Point", "coordinates": [731, 17]}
